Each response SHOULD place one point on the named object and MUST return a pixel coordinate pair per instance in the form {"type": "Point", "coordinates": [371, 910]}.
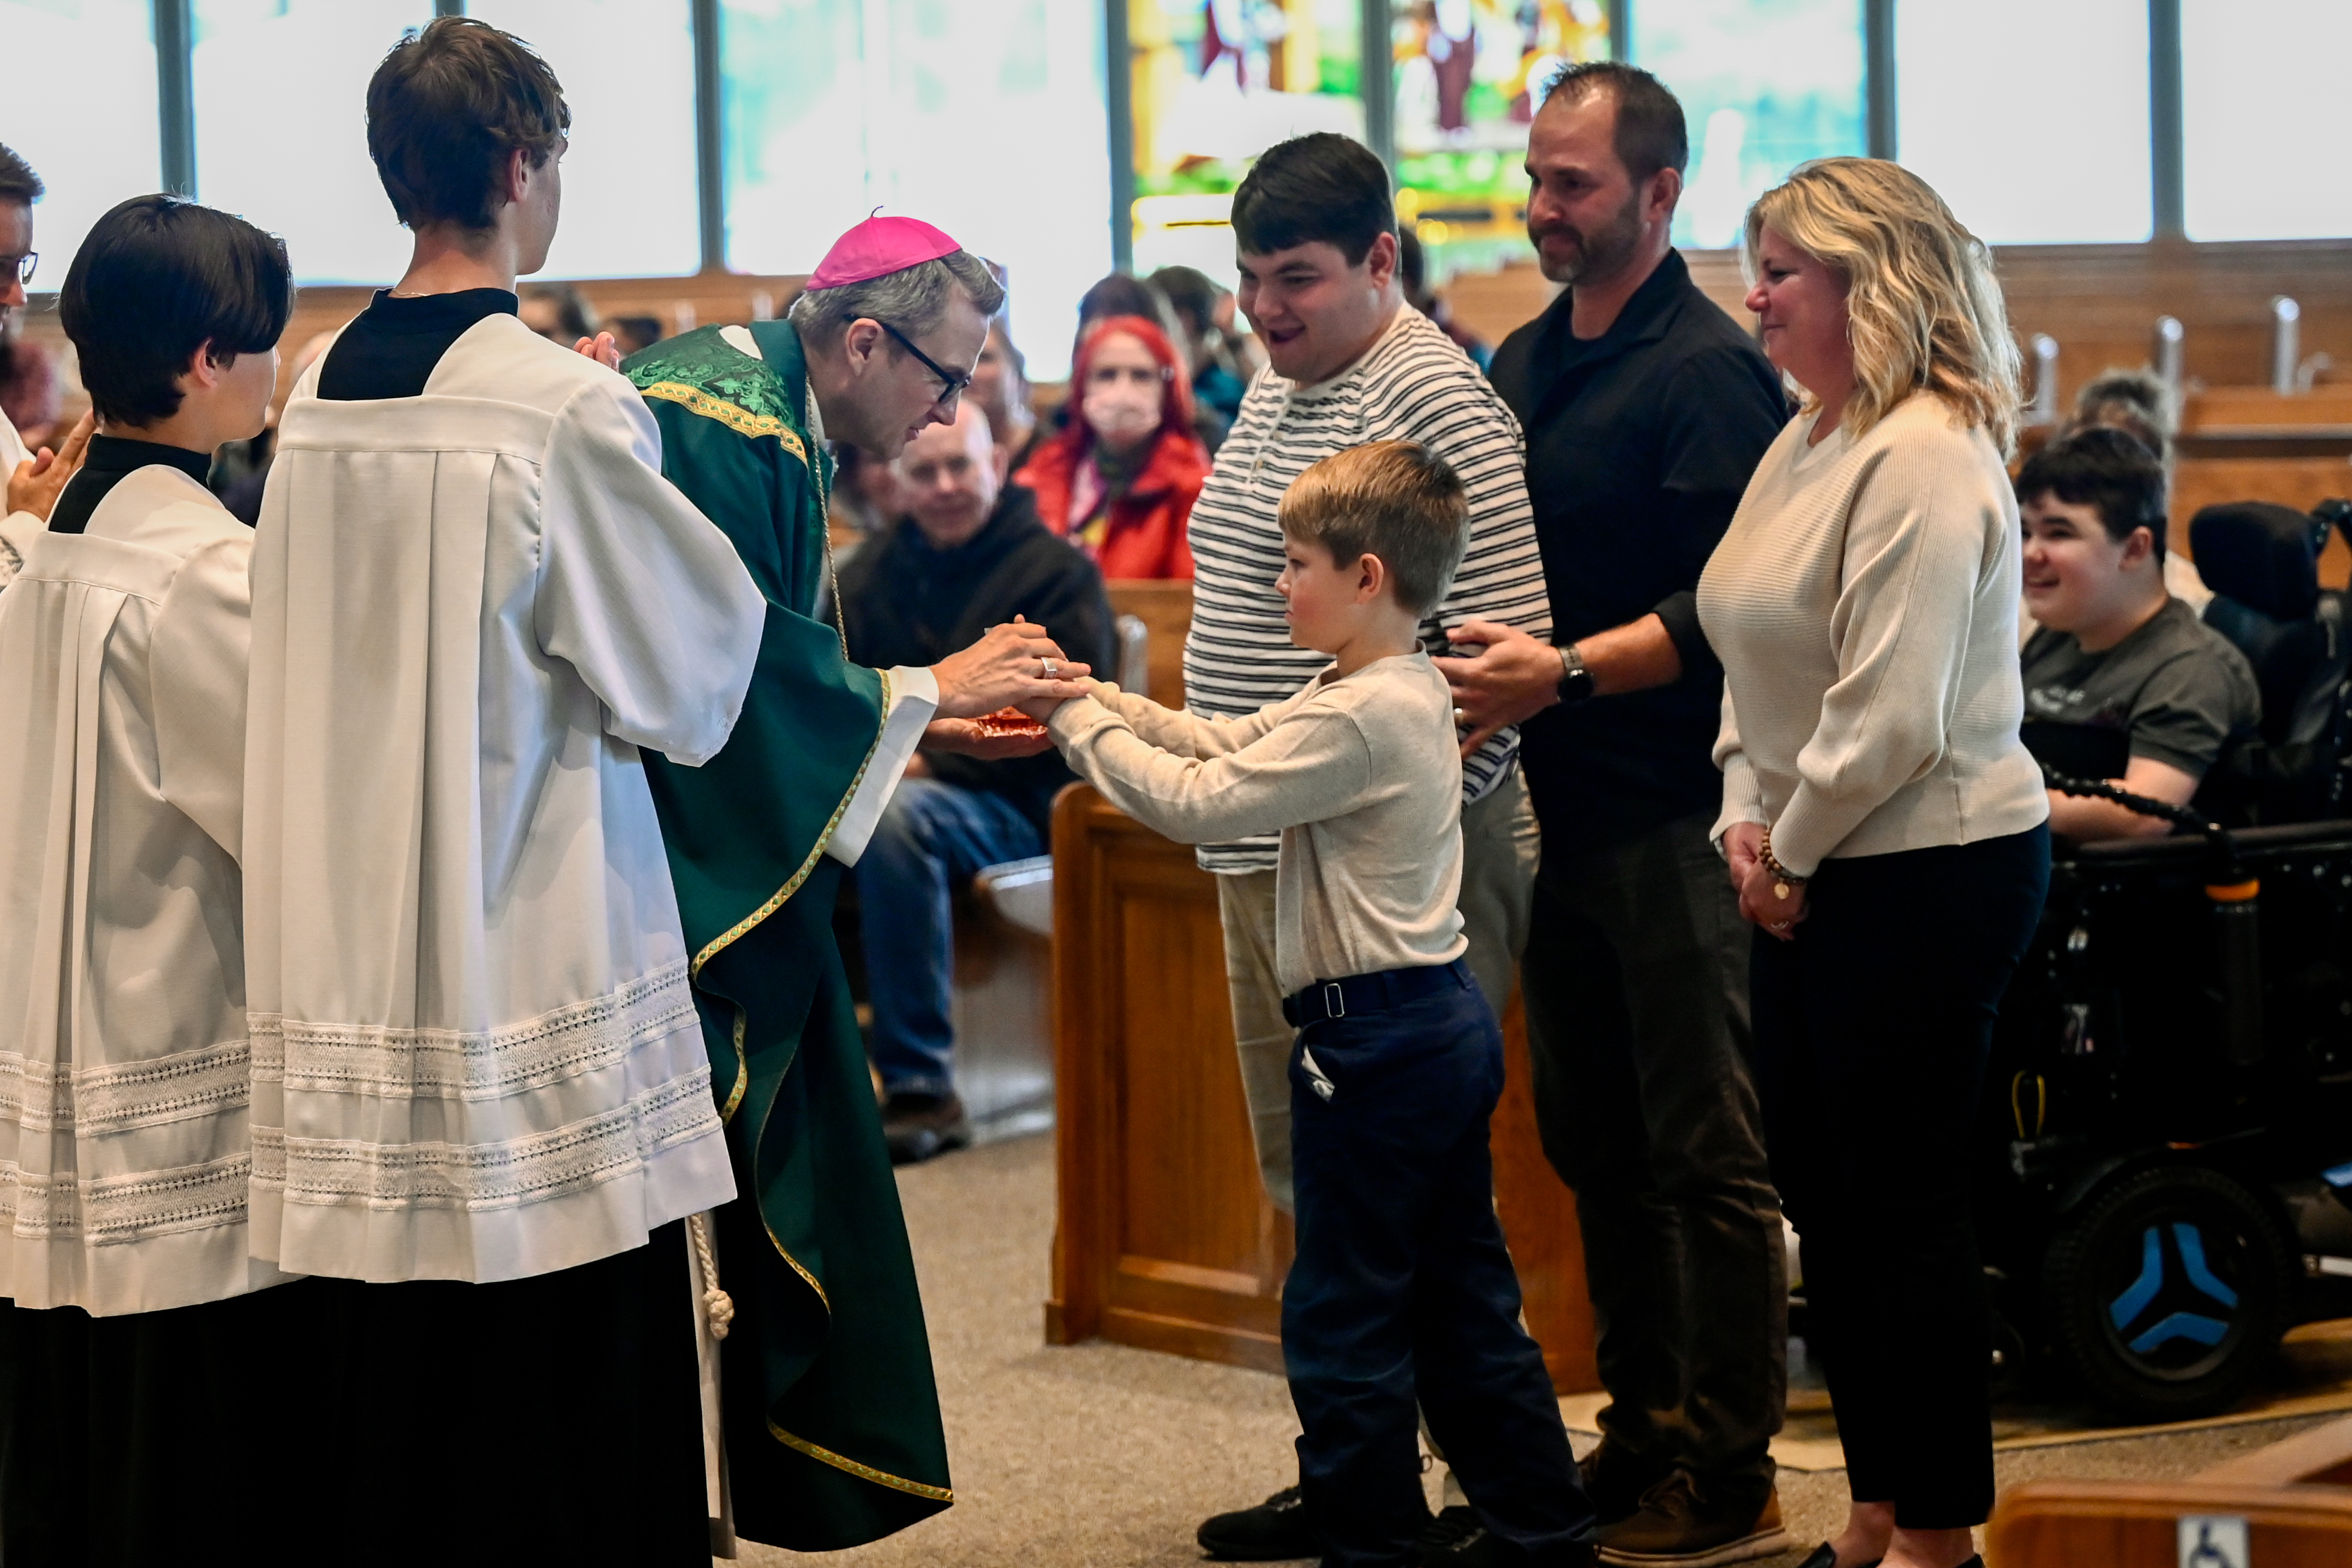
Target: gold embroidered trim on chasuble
{"type": "Point", "coordinates": [694, 400]}
{"type": "Point", "coordinates": [776, 902]}
{"type": "Point", "coordinates": [881, 1478]}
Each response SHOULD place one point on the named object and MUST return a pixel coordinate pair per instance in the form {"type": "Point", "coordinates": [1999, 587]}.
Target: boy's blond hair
{"type": "Point", "coordinates": [1395, 499]}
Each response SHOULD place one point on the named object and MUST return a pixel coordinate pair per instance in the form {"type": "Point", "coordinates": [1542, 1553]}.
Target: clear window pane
{"type": "Point", "coordinates": [2264, 131]}
{"type": "Point", "coordinates": [2075, 168]}
{"type": "Point", "coordinates": [630, 198]}
{"type": "Point", "coordinates": [987, 120]}
{"type": "Point", "coordinates": [281, 127]}
{"type": "Point", "coordinates": [1765, 86]}
{"type": "Point", "coordinates": [1469, 77]}
{"type": "Point", "coordinates": [63, 59]}
{"type": "Point", "coordinates": [1216, 84]}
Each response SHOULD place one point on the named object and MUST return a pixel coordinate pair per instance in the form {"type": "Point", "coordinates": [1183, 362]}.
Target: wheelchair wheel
{"type": "Point", "coordinates": [2169, 1293]}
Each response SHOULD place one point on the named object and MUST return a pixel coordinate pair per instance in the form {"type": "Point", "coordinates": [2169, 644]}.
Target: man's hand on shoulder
{"type": "Point", "coordinates": [1511, 679]}
{"type": "Point", "coordinates": [1013, 665]}
{"type": "Point", "coordinates": [602, 348]}
{"type": "Point", "coordinates": [41, 479]}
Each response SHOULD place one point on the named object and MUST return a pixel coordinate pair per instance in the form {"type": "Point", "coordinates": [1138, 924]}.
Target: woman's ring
{"type": "Point", "coordinates": [1048, 666]}
{"type": "Point", "coordinates": [1779, 925]}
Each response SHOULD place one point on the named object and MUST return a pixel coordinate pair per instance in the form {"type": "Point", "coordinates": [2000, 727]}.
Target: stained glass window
{"type": "Point", "coordinates": [1216, 82]}
{"type": "Point", "coordinates": [1765, 85]}
{"type": "Point", "coordinates": [1469, 76]}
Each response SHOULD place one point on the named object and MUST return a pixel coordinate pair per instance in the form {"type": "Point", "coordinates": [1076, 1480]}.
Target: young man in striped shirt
{"type": "Point", "coordinates": [1350, 363]}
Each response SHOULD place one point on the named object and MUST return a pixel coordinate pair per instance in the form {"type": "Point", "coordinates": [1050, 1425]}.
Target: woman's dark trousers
{"type": "Point", "coordinates": [1871, 1031]}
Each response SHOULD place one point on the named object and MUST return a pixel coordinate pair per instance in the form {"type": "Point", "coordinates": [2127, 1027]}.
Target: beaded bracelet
{"type": "Point", "coordinates": [1783, 880]}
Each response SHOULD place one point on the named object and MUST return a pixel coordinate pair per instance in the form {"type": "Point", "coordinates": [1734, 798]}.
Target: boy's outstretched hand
{"type": "Point", "coordinates": [989, 742]}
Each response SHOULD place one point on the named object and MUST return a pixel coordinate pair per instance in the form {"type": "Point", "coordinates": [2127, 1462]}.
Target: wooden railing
{"type": "Point", "coordinates": [1165, 1238]}
{"type": "Point", "coordinates": [2286, 1506]}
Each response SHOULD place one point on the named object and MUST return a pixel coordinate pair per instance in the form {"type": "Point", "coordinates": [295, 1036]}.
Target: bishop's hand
{"type": "Point", "coordinates": [1014, 665]}
{"type": "Point", "coordinates": [40, 479]}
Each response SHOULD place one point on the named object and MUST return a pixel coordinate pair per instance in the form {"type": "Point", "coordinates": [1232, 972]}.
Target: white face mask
{"type": "Point", "coordinates": [1121, 412]}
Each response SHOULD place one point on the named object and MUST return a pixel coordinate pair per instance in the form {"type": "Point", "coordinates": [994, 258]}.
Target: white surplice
{"type": "Point", "coordinates": [124, 1148]}
{"type": "Point", "coordinates": [17, 529]}
{"type": "Point", "coordinates": [476, 1054]}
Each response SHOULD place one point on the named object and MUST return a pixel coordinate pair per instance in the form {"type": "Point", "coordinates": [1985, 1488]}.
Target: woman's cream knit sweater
{"type": "Point", "coordinates": [1863, 602]}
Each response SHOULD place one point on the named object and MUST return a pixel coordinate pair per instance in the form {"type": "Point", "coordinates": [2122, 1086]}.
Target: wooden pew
{"type": "Point", "coordinates": [2293, 1500]}
{"type": "Point", "coordinates": [1165, 608]}
{"type": "Point", "coordinates": [1165, 1239]}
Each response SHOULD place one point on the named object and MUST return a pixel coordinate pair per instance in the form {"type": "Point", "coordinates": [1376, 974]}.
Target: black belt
{"type": "Point", "coordinates": [1359, 993]}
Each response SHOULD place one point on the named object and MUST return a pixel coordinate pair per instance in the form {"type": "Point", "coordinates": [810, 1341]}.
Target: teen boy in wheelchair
{"type": "Point", "coordinates": [2123, 682]}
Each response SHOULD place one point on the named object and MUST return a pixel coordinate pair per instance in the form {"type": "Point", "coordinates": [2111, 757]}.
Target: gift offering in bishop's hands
{"type": "Point", "coordinates": [1009, 723]}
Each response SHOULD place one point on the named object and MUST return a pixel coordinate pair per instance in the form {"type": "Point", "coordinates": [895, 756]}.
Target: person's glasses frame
{"type": "Point", "coordinates": [24, 265]}
{"type": "Point", "coordinates": [952, 381]}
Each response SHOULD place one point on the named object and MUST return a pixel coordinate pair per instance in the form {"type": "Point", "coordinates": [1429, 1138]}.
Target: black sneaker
{"type": "Point", "coordinates": [1615, 1478]}
{"type": "Point", "coordinates": [918, 1126]}
{"type": "Point", "coordinates": [1275, 1530]}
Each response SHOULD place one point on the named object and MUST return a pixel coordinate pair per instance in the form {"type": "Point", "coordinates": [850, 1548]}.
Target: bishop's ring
{"type": "Point", "coordinates": [1047, 665]}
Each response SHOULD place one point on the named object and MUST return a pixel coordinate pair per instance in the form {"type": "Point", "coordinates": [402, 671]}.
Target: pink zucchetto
{"type": "Point", "coordinates": [877, 247]}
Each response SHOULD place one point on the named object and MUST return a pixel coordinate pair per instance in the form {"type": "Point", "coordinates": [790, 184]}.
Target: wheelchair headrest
{"type": "Point", "coordinates": [2266, 557]}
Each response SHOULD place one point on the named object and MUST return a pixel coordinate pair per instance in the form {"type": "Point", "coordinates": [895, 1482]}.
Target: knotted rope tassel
{"type": "Point", "coordinates": [717, 1306]}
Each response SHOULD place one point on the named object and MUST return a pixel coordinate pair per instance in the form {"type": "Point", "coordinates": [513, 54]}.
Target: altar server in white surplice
{"type": "Point", "coordinates": [476, 1052]}
{"type": "Point", "coordinates": [134, 1324]}
{"type": "Point", "coordinates": [123, 1148]}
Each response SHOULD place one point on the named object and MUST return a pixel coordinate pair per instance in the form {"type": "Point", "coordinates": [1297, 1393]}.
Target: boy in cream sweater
{"type": "Point", "coordinates": [1400, 1290]}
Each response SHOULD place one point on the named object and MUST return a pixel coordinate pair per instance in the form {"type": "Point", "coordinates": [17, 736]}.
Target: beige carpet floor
{"type": "Point", "coordinates": [1096, 1456]}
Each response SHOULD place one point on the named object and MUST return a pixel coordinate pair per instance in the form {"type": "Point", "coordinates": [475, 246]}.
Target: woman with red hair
{"type": "Point", "coordinates": [1119, 479]}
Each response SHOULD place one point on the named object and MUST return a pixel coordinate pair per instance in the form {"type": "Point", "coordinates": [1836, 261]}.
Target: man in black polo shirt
{"type": "Point", "coordinates": [1645, 409]}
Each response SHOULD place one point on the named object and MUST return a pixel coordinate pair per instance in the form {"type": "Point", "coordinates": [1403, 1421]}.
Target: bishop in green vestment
{"type": "Point", "coordinates": [831, 1412]}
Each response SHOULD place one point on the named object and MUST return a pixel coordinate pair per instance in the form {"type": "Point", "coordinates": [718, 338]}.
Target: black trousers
{"type": "Point", "coordinates": [1400, 1290]}
{"type": "Point", "coordinates": [555, 1418]}
{"type": "Point", "coordinates": [1871, 1031]}
{"type": "Point", "coordinates": [1636, 990]}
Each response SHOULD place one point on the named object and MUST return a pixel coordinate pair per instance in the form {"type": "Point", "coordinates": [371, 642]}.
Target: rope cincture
{"type": "Point", "coordinates": [717, 1306]}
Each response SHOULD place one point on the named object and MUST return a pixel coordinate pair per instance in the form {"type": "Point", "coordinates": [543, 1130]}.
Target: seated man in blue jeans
{"type": "Point", "coordinates": [971, 553]}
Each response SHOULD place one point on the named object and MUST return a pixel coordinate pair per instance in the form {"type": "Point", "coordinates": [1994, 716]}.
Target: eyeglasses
{"type": "Point", "coordinates": [951, 381]}
{"type": "Point", "coordinates": [24, 265]}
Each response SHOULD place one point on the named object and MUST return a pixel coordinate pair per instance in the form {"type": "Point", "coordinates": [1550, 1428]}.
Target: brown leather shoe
{"type": "Point", "coordinates": [1681, 1525]}
{"type": "Point", "coordinates": [918, 1126]}
{"type": "Point", "coordinates": [1616, 1479]}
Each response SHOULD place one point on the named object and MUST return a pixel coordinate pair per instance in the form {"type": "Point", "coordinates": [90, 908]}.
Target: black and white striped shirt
{"type": "Point", "coordinates": [1414, 385]}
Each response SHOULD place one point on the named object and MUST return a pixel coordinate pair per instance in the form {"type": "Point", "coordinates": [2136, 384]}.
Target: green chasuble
{"type": "Point", "coordinates": [831, 1413]}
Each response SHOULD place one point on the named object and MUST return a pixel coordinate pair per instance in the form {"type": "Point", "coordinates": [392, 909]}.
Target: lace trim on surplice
{"type": "Point", "coordinates": [473, 1065]}
{"type": "Point", "coordinates": [350, 1172]}
{"type": "Point", "coordinates": [62, 1205]}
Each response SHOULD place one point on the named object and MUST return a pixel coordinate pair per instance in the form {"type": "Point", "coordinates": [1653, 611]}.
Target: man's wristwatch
{"type": "Point", "coordinates": [1576, 682]}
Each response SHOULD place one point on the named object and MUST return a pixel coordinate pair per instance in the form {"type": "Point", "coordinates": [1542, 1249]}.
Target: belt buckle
{"type": "Point", "coordinates": [1335, 1000]}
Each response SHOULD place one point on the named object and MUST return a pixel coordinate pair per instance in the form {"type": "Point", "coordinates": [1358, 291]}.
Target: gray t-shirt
{"type": "Point", "coordinates": [2175, 689]}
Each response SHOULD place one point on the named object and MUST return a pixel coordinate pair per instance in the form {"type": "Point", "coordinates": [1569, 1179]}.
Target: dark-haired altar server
{"type": "Point", "coordinates": [136, 1375]}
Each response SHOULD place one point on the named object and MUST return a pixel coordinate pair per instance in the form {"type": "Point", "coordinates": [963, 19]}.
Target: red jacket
{"type": "Point", "coordinates": [1147, 524]}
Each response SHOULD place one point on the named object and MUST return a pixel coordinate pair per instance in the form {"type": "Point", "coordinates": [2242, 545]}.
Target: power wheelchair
{"type": "Point", "coordinates": [2165, 1184]}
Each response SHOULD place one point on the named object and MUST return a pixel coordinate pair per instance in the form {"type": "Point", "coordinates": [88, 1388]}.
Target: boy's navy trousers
{"type": "Point", "coordinates": [1400, 1290]}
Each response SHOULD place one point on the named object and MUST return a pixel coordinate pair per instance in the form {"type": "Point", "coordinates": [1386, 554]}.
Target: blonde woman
{"type": "Point", "coordinates": [1886, 830]}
